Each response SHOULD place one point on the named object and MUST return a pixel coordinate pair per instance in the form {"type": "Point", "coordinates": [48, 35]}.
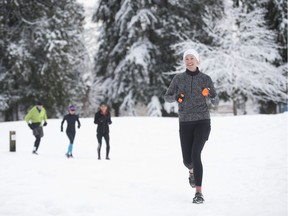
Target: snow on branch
{"type": "Point", "coordinates": [154, 107]}
{"type": "Point", "coordinates": [145, 17]}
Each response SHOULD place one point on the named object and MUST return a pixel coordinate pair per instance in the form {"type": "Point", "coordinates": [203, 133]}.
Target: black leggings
{"type": "Point", "coordinates": [71, 136]}
{"type": "Point", "coordinates": [38, 133]}
{"type": "Point", "coordinates": [37, 142]}
{"type": "Point", "coordinates": [193, 137]}
{"type": "Point", "coordinates": [107, 138]}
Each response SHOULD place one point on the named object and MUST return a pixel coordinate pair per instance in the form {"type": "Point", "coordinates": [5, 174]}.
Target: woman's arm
{"type": "Point", "coordinates": [63, 122]}
{"type": "Point", "coordinates": [171, 93]}
{"type": "Point", "coordinates": [78, 121]}
{"type": "Point", "coordinates": [212, 93]}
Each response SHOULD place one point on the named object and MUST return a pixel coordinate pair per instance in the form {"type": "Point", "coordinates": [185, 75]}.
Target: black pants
{"type": "Point", "coordinates": [37, 142]}
{"type": "Point", "coordinates": [107, 139]}
{"type": "Point", "coordinates": [193, 136]}
{"type": "Point", "coordinates": [38, 133]}
{"type": "Point", "coordinates": [71, 136]}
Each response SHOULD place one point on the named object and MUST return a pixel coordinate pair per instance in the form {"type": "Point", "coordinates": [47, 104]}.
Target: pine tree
{"type": "Point", "coordinates": [277, 19]}
{"type": "Point", "coordinates": [126, 56]}
{"type": "Point", "coordinates": [13, 55]}
{"type": "Point", "coordinates": [42, 55]}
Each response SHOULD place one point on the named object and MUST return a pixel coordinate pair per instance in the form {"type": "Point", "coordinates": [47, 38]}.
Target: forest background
{"type": "Point", "coordinates": [126, 53]}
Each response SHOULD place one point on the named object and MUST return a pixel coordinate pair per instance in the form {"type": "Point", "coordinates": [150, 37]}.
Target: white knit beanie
{"type": "Point", "coordinates": [192, 52]}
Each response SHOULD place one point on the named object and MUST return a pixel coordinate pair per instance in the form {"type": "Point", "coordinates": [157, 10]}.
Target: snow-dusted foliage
{"type": "Point", "coordinates": [3, 103]}
{"type": "Point", "coordinates": [125, 60]}
{"type": "Point", "coordinates": [171, 107]}
{"type": "Point", "coordinates": [240, 62]}
{"type": "Point", "coordinates": [155, 107]}
{"type": "Point", "coordinates": [41, 54]}
{"type": "Point", "coordinates": [128, 105]}
{"type": "Point", "coordinates": [277, 18]}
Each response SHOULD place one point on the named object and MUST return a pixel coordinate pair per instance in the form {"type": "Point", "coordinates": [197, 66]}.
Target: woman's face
{"type": "Point", "coordinates": [39, 107]}
{"type": "Point", "coordinates": [191, 62]}
{"type": "Point", "coordinates": [103, 108]}
{"type": "Point", "coordinates": [72, 112]}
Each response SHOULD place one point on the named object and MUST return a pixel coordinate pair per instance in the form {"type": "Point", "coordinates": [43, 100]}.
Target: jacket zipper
{"type": "Point", "coordinates": [192, 85]}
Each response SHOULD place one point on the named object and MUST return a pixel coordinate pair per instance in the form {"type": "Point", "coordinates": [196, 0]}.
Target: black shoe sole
{"type": "Point", "coordinates": [198, 200]}
{"type": "Point", "coordinates": [202, 202]}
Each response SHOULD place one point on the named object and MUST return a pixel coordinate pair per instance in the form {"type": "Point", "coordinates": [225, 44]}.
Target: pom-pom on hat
{"type": "Point", "coordinates": [191, 52]}
{"type": "Point", "coordinates": [72, 108]}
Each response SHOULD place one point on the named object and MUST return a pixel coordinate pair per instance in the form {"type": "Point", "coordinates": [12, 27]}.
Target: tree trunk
{"type": "Point", "coordinates": [116, 107]}
{"type": "Point", "coordinates": [8, 114]}
{"type": "Point", "coordinates": [85, 102]}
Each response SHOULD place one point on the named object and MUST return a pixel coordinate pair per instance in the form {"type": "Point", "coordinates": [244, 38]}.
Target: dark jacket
{"type": "Point", "coordinates": [194, 106]}
{"type": "Point", "coordinates": [103, 122]}
{"type": "Point", "coordinates": [71, 120]}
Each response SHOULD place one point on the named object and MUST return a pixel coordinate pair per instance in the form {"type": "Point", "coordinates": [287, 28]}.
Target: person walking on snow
{"type": "Point", "coordinates": [103, 119]}
{"type": "Point", "coordinates": [191, 89]}
{"type": "Point", "coordinates": [34, 120]}
{"type": "Point", "coordinates": [71, 119]}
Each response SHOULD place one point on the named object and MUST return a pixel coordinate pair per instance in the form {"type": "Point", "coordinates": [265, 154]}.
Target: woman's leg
{"type": "Point", "coordinates": [201, 134]}
{"type": "Point", "coordinates": [99, 138]}
{"type": "Point", "coordinates": [186, 139]}
{"type": "Point", "coordinates": [71, 136]}
{"type": "Point", "coordinates": [37, 143]}
{"type": "Point", "coordinates": [38, 133]}
{"type": "Point", "coordinates": [107, 141]}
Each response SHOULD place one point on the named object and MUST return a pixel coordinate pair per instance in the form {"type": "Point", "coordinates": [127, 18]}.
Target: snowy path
{"type": "Point", "coordinates": [245, 170]}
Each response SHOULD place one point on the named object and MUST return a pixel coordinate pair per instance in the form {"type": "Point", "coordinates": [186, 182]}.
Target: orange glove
{"type": "Point", "coordinates": [180, 98]}
{"type": "Point", "coordinates": [205, 92]}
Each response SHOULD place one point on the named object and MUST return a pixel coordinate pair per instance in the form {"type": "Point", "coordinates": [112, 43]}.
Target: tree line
{"type": "Point", "coordinates": [243, 45]}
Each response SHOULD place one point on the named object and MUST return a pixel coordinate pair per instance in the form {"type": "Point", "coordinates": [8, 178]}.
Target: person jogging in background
{"type": "Point", "coordinates": [103, 119]}
{"type": "Point", "coordinates": [34, 120]}
{"type": "Point", "coordinates": [191, 89]}
{"type": "Point", "coordinates": [71, 119]}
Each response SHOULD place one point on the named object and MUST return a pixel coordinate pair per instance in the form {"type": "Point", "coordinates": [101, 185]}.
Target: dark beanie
{"type": "Point", "coordinates": [40, 103]}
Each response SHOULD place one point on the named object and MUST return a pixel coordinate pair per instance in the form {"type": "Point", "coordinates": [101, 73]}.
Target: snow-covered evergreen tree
{"type": "Point", "coordinates": [126, 58]}
{"type": "Point", "coordinates": [42, 54]}
{"type": "Point", "coordinates": [278, 20]}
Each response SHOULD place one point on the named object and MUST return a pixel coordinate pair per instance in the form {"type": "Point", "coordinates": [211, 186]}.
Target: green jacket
{"type": "Point", "coordinates": [35, 116]}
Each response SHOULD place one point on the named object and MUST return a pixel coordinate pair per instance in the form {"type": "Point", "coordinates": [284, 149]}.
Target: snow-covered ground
{"type": "Point", "coordinates": [245, 170]}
